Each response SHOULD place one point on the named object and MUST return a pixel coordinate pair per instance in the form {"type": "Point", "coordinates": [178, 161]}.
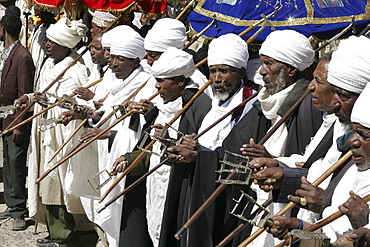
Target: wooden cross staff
{"type": "Point", "coordinates": [290, 205]}
{"type": "Point", "coordinates": [73, 150]}
{"type": "Point", "coordinates": [7, 130]}
{"type": "Point", "coordinates": [319, 224]}
{"type": "Point", "coordinates": [66, 69]}
{"type": "Point", "coordinates": [143, 177]}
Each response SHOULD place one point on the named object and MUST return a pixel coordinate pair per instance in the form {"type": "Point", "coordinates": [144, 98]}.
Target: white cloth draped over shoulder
{"type": "Point", "coordinates": [43, 145]}
{"type": "Point", "coordinates": [157, 182]}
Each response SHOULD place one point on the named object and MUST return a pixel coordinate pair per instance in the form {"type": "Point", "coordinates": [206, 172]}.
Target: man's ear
{"type": "Point", "coordinates": [137, 62]}
{"type": "Point", "coordinates": [292, 71]}
{"type": "Point", "coordinates": [242, 73]}
{"type": "Point", "coordinates": [181, 82]}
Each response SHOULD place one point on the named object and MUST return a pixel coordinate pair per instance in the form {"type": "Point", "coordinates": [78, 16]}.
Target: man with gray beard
{"type": "Point", "coordinates": [284, 56]}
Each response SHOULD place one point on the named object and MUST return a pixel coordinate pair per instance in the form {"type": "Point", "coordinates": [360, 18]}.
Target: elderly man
{"type": "Point", "coordinates": [167, 188]}
{"type": "Point", "coordinates": [49, 202]}
{"type": "Point", "coordinates": [282, 68]}
{"type": "Point", "coordinates": [345, 95]}
{"type": "Point", "coordinates": [227, 65]}
{"type": "Point", "coordinates": [17, 72]}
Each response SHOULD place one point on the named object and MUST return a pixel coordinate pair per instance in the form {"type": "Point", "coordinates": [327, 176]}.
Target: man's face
{"type": "Point", "coordinates": [342, 103]}
{"type": "Point", "coordinates": [360, 142]}
{"type": "Point", "coordinates": [97, 51]}
{"type": "Point", "coordinates": [55, 51]}
{"type": "Point", "coordinates": [274, 74]}
{"type": "Point", "coordinates": [170, 88]}
{"type": "Point", "coordinates": [152, 56]}
{"type": "Point", "coordinates": [95, 30]}
{"type": "Point", "coordinates": [122, 67]}
{"type": "Point", "coordinates": [320, 88]}
{"type": "Point", "coordinates": [225, 80]}
{"type": "Point", "coordinates": [107, 56]}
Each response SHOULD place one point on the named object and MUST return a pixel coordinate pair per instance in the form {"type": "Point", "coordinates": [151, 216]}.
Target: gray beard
{"type": "Point", "coordinates": [222, 96]}
{"type": "Point", "coordinates": [280, 82]}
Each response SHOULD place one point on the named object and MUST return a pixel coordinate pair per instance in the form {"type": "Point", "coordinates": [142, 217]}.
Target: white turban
{"type": "Point", "coordinates": [102, 19]}
{"type": "Point", "coordinates": [106, 39]}
{"type": "Point", "coordinates": [165, 33]}
{"type": "Point", "coordinates": [361, 110]}
{"type": "Point", "coordinates": [289, 47]}
{"type": "Point", "coordinates": [228, 49]}
{"type": "Point", "coordinates": [66, 33]}
{"type": "Point", "coordinates": [127, 43]}
{"type": "Point", "coordinates": [349, 67]}
{"type": "Point", "coordinates": [173, 62]}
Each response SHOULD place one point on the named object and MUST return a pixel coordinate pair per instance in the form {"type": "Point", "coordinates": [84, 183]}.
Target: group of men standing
{"type": "Point", "coordinates": [330, 120]}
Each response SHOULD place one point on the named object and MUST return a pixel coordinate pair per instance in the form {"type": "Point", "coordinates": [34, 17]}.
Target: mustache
{"type": "Point", "coordinates": [219, 86]}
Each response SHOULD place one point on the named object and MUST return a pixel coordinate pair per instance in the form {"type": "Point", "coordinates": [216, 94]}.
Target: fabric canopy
{"type": "Point", "coordinates": [322, 18]}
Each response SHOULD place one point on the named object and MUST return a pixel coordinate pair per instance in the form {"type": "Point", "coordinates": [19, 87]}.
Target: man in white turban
{"type": "Point", "coordinates": [49, 201]}
{"type": "Point", "coordinates": [167, 33]}
{"type": "Point", "coordinates": [161, 207]}
{"type": "Point", "coordinates": [100, 21]}
{"type": "Point", "coordinates": [126, 51]}
{"type": "Point", "coordinates": [284, 84]}
{"type": "Point", "coordinates": [227, 60]}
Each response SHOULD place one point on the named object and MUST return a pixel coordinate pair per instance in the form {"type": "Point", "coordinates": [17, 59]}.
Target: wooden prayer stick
{"type": "Point", "coordinates": [144, 176]}
{"type": "Point", "coordinates": [221, 187]}
{"type": "Point", "coordinates": [290, 205]}
{"type": "Point", "coordinates": [100, 123]}
{"type": "Point", "coordinates": [7, 130]}
{"type": "Point", "coordinates": [83, 145]}
{"type": "Point", "coordinates": [132, 165]}
{"type": "Point", "coordinates": [185, 9]}
{"type": "Point", "coordinates": [319, 224]}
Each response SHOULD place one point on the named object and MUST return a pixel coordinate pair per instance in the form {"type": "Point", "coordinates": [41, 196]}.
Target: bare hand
{"type": "Point", "coordinates": [181, 153]}
{"type": "Point", "coordinates": [313, 195]}
{"type": "Point", "coordinates": [98, 104]}
{"type": "Point", "coordinates": [356, 210]}
{"type": "Point", "coordinates": [254, 150]}
{"type": "Point", "coordinates": [39, 98]}
{"type": "Point", "coordinates": [282, 225]}
{"type": "Point", "coordinates": [142, 107]}
{"type": "Point", "coordinates": [362, 235]}
{"type": "Point", "coordinates": [160, 132]}
{"type": "Point", "coordinates": [268, 185]}
{"type": "Point", "coordinates": [261, 163]}
{"type": "Point", "coordinates": [92, 133]}
{"type": "Point", "coordinates": [21, 101]}
{"type": "Point", "coordinates": [84, 93]}
{"type": "Point", "coordinates": [119, 165]}
{"type": "Point", "coordinates": [17, 136]}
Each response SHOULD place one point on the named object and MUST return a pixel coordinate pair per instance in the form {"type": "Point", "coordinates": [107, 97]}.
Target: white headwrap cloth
{"type": "Point", "coordinates": [289, 47]}
{"type": "Point", "coordinates": [66, 33]}
{"type": "Point", "coordinates": [228, 49]}
{"type": "Point", "coordinates": [127, 43]}
{"type": "Point", "coordinates": [361, 110]}
{"type": "Point", "coordinates": [106, 39]}
{"type": "Point", "coordinates": [102, 19]}
{"type": "Point", "coordinates": [173, 62]}
{"type": "Point", "coordinates": [349, 67]}
{"type": "Point", "coordinates": [165, 33]}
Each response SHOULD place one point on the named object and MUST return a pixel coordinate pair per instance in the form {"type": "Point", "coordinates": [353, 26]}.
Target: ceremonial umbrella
{"type": "Point", "coordinates": [156, 7]}
{"type": "Point", "coordinates": [321, 18]}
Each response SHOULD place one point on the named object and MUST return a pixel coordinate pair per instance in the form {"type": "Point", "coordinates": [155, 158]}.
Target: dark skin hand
{"type": "Point", "coordinates": [360, 237]}
{"type": "Point", "coordinates": [282, 225]}
{"type": "Point", "coordinates": [92, 133]}
{"type": "Point", "coordinates": [83, 112]}
{"type": "Point", "coordinates": [142, 107]}
{"type": "Point", "coordinates": [98, 104]}
{"type": "Point", "coordinates": [356, 209]}
{"type": "Point", "coordinates": [118, 165]}
{"type": "Point", "coordinates": [84, 93]}
{"type": "Point", "coordinates": [253, 150]}
{"type": "Point", "coordinates": [39, 97]}
{"type": "Point", "coordinates": [21, 102]}
{"type": "Point", "coordinates": [17, 136]}
{"type": "Point", "coordinates": [267, 184]}
{"type": "Point", "coordinates": [312, 194]}
{"type": "Point", "coordinates": [186, 151]}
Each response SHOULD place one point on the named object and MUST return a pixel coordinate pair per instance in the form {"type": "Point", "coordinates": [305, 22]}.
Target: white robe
{"type": "Point", "coordinates": [42, 148]}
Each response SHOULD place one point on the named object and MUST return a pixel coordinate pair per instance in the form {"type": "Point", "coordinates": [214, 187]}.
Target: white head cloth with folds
{"type": "Point", "coordinates": [127, 43]}
{"type": "Point", "coordinates": [349, 67]}
{"type": "Point", "coordinates": [289, 47]}
{"type": "Point", "coordinates": [102, 19]}
{"type": "Point", "coordinates": [361, 110]}
{"type": "Point", "coordinates": [173, 62]}
{"type": "Point", "coordinates": [106, 39]}
{"type": "Point", "coordinates": [66, 33]}
{"type": "Point", "coordinates": [165, 33]}
{"type": "Point", "coordinates": [228, 49]}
